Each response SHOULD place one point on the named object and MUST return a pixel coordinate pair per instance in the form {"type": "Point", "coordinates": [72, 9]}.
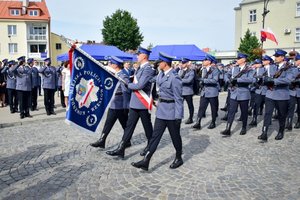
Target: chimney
{"type": "Point", "coordinates": [24, 6]}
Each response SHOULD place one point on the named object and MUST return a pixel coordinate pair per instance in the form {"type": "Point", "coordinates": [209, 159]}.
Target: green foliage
{"type": "Point", "coordinates": [150, 46]}
{"type": "Point", "coordinates": [249, 45]}
{"type": "Point", "coordinates": [121, 30]}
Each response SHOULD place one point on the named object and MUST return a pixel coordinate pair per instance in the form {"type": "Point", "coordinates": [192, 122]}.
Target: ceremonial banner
{"type": "Point", "coordinates": [91, 90]}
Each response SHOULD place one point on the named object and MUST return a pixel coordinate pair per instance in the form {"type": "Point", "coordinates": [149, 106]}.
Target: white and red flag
{"type": "Point", "coordinates": [268, 34]}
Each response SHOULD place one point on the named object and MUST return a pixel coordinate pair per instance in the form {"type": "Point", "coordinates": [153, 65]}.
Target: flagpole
{"type": "Point", "coordinates": [91, 58]}
{"type": "Point", "coordinates": [264, 14]}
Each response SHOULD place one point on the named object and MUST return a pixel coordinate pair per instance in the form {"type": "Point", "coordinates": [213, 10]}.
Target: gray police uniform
{"type": "Point", "coordinates": [296, 84]}
{"type": "Point", "coordinates": [11, 89]}
{"type": "Point", "coordinates": [35, 85]}
{"type": "Point", "coordinates": [209, 95]}
{"type": "Point", "coordinates": [187, 76]}
{"type": "Point", "coordinates": [49, 84]}
{"type": "Point", "coordinates": [59, 85]}
{"type": "Point", "coordinates": [240, 95]}
{"type": "Point", "coordinates": [23, 87]}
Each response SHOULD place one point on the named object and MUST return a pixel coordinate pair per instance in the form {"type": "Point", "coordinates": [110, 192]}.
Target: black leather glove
{"type": "Point", "coordinates": [201, 83]}
{"type": "Point", "coordinates": [233, 81]}
{"type": "Point", "coordinates": [259, 80]}
{"type": "Point", "coordinates": [268, 81]}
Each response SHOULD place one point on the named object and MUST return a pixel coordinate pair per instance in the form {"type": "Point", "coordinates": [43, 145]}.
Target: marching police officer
{"type": "Point", "coordinates": [296, 83]}
{"type": "Point", "coordinates": [23, 86]}
{"type": "Point", "coordinates": [277, 95]}
{"type": "Point", "coordinates": [210, 91]}
{"type": "Point", "coordinates": [187, 76]}
{"type": "Point", "coordinates": [267, 69]}
{"type": "Point", "coordinates": [168, 114]}
{"type": "Point", "coordinates": [11, 86]}
{"type": "Point", "coordinates": [240, 94]}
{"type": "Point", "coordinates": [119, 106]}
{"type": "Point", "coordinates": [35, 84]}
{"type": "Point", "coordinates": [141, 89]}
{"type": "Point", "coordinates": [49, 85]}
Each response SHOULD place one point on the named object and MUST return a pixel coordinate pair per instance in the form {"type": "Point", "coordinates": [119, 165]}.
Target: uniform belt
{"type": "Point", "coordinates": [281, 86]}
{"type": "Point", "coordinates": [243, 85]}
{"type": "Point", "coordinates": [118, 93]}
{"type": "Point", "coordinates": [166, 100]}
{"type": "Point", "coordinates": [210, 84]}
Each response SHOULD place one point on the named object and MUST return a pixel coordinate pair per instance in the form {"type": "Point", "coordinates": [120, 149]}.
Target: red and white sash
{"type": "Point", "coordinates": [146, 100]}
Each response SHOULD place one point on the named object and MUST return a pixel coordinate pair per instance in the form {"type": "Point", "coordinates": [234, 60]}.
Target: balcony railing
{"type": "Point", "coordinates": [37, 37]}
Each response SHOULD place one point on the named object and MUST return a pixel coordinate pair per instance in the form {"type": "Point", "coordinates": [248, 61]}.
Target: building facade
{"type": "Point", "coordinates": [58, 46]}
{"type": "Point", "coordinates": [24, 29]}
{"type": "Point", "coordinates": [283, 19]}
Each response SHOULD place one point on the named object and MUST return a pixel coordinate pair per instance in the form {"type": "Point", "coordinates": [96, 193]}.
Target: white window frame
{"type": "Point", "coordinates": [12, 30]}
{"type": "Point", "coordinates": [13, 48]}
{"type": "Point", "coordinates": [15, 12]}
{"type": "Point", "coordinates": [298, 9]}
{"type": "Point", "coordinates": [252, 14]}
{"type": "Point", "coordinates": [297, 34]}
{"type": "Point", "coordinates": [33, 13]}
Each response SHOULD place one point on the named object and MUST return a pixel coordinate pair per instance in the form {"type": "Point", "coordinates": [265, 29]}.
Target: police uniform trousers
{"type": "Point", "coordinates": [282, 107]}
{"type": "Point", "coordinates": [34, 97]}
{"type": "Point", "coordinates": [291, 108]}
{"type": "Point", "coordinates": [49, 99]}
{"type": "Point", "coordinates": [233, 109]}
{"type": "Point", "coordinates": [252, 99]}
{"type": "Point", "coordinates": [298, 108]}
{"type": "Point", "coordinates": [62, 96]}
{"type": "Point", "coordinates": [112, 116]}
{"type": "Point", "coordinates": [204, 101]}
{"type": "Point", "coordinates": [12, 99]}
{"type": "Point", "coordinates": [133, 117]}
{"type": "Point", "coordinates": [24, 102]}
{"type": "Point", "coordinates": [160, 126]}
{"type": "Point", "coordinates": [259, 101]}
{"type": "Point", "coordinates": [189, 101]}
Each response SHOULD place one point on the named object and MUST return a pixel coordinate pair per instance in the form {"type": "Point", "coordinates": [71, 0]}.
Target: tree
{"type": "Point", "coordinates": [150, 46]}
{"type": "Point", "coordinates": [250, 46]}
{"type": "Point", "coordinates": [121, 30]}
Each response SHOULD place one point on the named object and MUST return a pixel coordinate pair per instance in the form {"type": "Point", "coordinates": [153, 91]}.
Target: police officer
{"type": "Point", "coordinates": [267, 69]}
{"type": "Point", "coordinates": [59, 84]}
{"type": "Point", "coordinates": [296, 84]}
{"type": "Point", "coordinates": [119, 106]}
{"type": "Point", "coordinates": [187, 76]}
{"type": "Point", "coordinates": [240, 93]}
{"type": "Point", "coordinates": [35, 84]}
{"type": "Point", "coordinates": [138, 104]}
{"type": "Point", "coordinates": [210, 91]}
{"type": "Point", "coordinates": [11, 86]}
{"type": "Point", "coordinates": [277, 95]}
{"type": "Point", "coordinates": [23, 86]}
{"type": "Point", "coordinates": [49, 85]}
{"type": "Point", "coordinates": [168, 114]}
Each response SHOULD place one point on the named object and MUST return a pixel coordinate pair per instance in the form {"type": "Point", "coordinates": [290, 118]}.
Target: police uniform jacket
{"type": "Point", "coordinates": [59, 76]}
{"type": "Point", "coordinates": [294, 72]}
{"type": "Point", "coordinates": [143, 77]}
{"type": "Point", "coordinates": [11, 78]}
{"type": "Point", "coordinates": [241, 92]}
{"type": "Point", "coordinates": [35, 77]}
{"type": "Point", "coordinates": [170, 89]}
{"type": "Point", "coordinates": [298, 86]}
{"type": "Point", "coordinates": [280, 91]}
{"type": "Point", "coordinates": [49, 77]}
{"type": "Point", "coordinates": [229, 73]}
{"type": "Point", "coordinates": [187, 78]}
{"type": "Point", "coordinates": [23, 77]}
{"type": "Point", "coordinates": [271, 70]}
{"type": "Point", "coordinates": [122, 93]}
{"type": "Point", "coordinates": [211, 82]}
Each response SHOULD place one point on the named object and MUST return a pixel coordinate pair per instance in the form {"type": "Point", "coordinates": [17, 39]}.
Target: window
{"type": "Point", "coordinates": [252, 15]}
{"type": "Point", "coordinates": [297, 35]}
{"type": "Point", "coordinates": [15, 12]}
{"type": "Point", "coordinates": [13, 48]}
{"type": "Point", "coordinates": [37, 48]}
{"type": "Point", "coordinates": [298, 9]}
{"type": "Point", "coordinates": [33, 13]}
{"type": "Point", "coordinates": [58, 46]}
{"type": "Point", "coordinates": [37, 33]}
{"type": "Point", "coordinates": [12, 29]}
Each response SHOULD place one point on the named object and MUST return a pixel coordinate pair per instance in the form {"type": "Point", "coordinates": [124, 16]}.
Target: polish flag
{"type": "Point", "coordinates": [268, 34]}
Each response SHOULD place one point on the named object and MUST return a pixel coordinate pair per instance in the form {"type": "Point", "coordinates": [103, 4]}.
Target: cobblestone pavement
{"type": "Point", "coordinates": [50, 160]}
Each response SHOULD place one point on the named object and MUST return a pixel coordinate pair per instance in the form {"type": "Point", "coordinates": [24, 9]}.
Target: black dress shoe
{"type": "Point", "coordinates": [98, 144]}
{"type": "Point", "coordinates": [263, 137]}
{"type": "Point", "coordinates": [52, 113]}
{"type": "Point", "coordinates": [189, 121]}
{"type": "Point", "coordinates": [120, 151]}
{"type": "Point", "coordinates": [128, 144]}
{"type": "Point", "coordinates": [48, 113]}
{"type": "Point", "coordinates": [297, 125]}
{"type": "Point", "coordinates": [176, 163]}
{"type": "Point", "coordinates": [29, 116]}
{"type": "Point", "coordinates": [197, 126]}
{"type": "Point", "coordinates": [224, 109]}
{"type": "Point", "coordinates": [243, 131]}
{"type": "Point", "coordinates": [12, 111]}
{"type": "Point", "coordinates": [226, 132]}
{"type": "Point", "coordinates": [22, 116]}
{"type": "Point", "coordinates": [279, 136]}
{"type": "Point", "coordinates": [253, 123]}
{"type": "Point", "coordinates": [212, 125]}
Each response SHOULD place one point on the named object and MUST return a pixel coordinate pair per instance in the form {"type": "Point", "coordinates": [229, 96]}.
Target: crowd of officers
{"type": "Point", "coordinates": [21, 81]}
{"type": "Point", "coordinates": [264, 83]}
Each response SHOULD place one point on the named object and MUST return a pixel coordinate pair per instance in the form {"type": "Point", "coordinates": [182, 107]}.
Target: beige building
{"type": "Point", "coordinates": [283, 19]}
{"type": "Point", "coordinates": [58, 46]}
{"type": "Point", "coordinates": [24, 29]}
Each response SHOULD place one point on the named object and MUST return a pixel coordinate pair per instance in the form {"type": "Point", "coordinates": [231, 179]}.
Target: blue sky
{"type": "Point", "coordinates": [206, 23]}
